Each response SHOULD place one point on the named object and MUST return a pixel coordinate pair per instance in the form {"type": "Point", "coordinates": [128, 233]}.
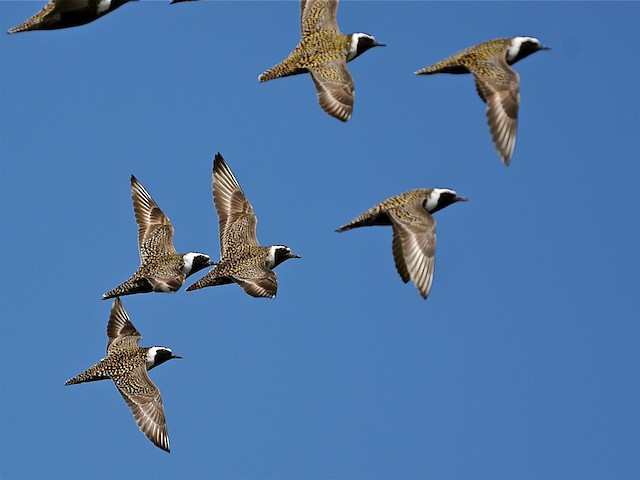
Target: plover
{"type": "Point", "coordinates": [323, 52]}
{"type": "Point", "coordinates": [126, 363]}
{"type": "Point", "coordinates": [414, 230]}
{"type": "Point", "coordinates": [242, 259]}
{"type": "Point", "coordinates": [67, 13]}
{"type": "Point", "coordinates": [496, 82]}
{"type": "Point", "coordinates": [161, 268]}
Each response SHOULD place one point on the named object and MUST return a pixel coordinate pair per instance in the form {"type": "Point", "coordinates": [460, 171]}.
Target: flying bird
{"type": "Point", "coordinates": [67, 13]}
{"type": "Point", "coordinates": [323, 52]}
{"type": "Point", "coordinates": [126, 363]}
{"type": "Point", "coordinates": [242, 259]}
{"type": "Point", "coordinates": [414, 230]}
{"type": "Point", "coordinates": [496, 82]}
{"type": "Point", "coordinates": [161, 268]}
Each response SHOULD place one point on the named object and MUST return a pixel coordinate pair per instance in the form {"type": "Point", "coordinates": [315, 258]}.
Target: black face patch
{"type": "Point", "coordinates": [200, 262]}
{"type": "Point", "coordinates": [526, 48]}
{"type": "Point", "coordinates": [162, 356]}
{"type": "Point", "coordinates": [364, 44]}
{"type": "Point", "coordinates": [280, 255]}
{"type": "Point", "coordinates": [445, 199]}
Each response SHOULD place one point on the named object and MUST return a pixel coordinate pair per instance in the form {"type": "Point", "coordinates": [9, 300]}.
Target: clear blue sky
{"type": "Point", "coordinates": [524, 361]}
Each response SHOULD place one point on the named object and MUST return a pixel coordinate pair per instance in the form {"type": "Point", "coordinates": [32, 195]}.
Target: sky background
{"type": "Point", "coordinates": [523, 362]}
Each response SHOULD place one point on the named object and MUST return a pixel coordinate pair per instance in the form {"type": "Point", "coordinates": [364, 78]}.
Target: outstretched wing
{"type": "Point", "coordinates": [120, 330]}
{"type": "Point", "coordinates": [236, 218]}
{"type": "Point", "coordinates": [316, 15]}
{"type": "Point", "coordinates": [501, 94]}
{"type": "Point", "coordinates": [335, 88]}
{"type": "Point", "coordinates": [155, 232]}
{"type": "Point", "coordinates": [145, 402]}
{"type": "Point", "coordinates": [414, 244]}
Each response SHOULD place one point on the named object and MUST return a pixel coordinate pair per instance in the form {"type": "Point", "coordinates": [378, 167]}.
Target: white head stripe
{"type": "Point", "coordinates": [516, 45]}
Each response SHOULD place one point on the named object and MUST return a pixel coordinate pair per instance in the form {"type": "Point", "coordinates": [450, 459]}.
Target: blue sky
{"type": "Point", "coordinates": [522, 363]}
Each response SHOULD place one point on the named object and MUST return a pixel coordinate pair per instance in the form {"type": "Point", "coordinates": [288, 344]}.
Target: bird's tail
{"type": "Point", "coordinates": [210, 280]}
{"type": "Point", "coordinates": [131, 286]}
{"type": "Point", "coordinates": [27, 25]}
{"type": "Point", "coordinates": [91, 374]}
{"type": "Point", "coordinates": [286, 68]}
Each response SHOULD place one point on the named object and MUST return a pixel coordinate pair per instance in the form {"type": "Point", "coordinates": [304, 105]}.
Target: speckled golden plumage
{"type": "Point", "coordinates": [476, 58]}
{"type": "Point", "coordinates": [496, 82]}
{"type": "Point", "coordinates": [242, 259]}
{"type": "Point", "coordinates": [414, 231]}
{"type": "Point", "coordinates": [126, 363]}
{"type": "Point", "coordinates": [161, 269]}
{"type": "Point", "coordinates": [323, 52]}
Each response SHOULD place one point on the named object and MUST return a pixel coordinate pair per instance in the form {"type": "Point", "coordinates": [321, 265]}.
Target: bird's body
{"type": "Point", "coordinates": [242, 259]}
{"type": "Point", "coordinates": [323, 52]}
{"type": "Point", "coordinates": [161, 268]}
{"type": "Point", "coordinates": [68, 13]}
{"type": "Point", "coordinates": [414, 230]}
{"type": "Point", "coordinates": [126, 363]}
{"type": "Point", "coordinates": [496, 82]}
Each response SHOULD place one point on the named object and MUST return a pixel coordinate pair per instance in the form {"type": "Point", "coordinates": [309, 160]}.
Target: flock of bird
{"type": "Point", "coordinates": [323, 52]}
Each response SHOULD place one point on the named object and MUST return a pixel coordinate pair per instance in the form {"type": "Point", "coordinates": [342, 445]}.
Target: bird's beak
{"type": "Point", "coordinates": [293, 255]}
{"type": "Point", "coordinates": [542, 47]}
{"type": "Point", "coordinates": [376, 44]}
{"type": "Point", "coordinates": [176, 356]}
{"type": "Point", "coordinates": [461, 199]}
{"type": "Point", "coordinates": [211, 263]}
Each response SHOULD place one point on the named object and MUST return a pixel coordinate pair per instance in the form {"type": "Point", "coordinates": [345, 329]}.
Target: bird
{"type": "Point", "coordinates": [323, 52]}
{"type": "Point", "coordinates": [496, 82]}
{"type": "Point", "coordinates": [126, 363]}
{"type": "Point", "coordinates": [414, 230]}
{"type": "Point", "coordinates": [161, 268]}
{"type": "Point", "coordinates": [242, 259]}
{"type": "Point", "coordinates": [67, 13]}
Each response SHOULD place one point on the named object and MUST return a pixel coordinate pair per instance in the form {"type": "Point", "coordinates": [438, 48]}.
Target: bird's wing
{"type": "Point", "coordinates": [258, 282]}
{"type": "Point", "coordinates": [167, 282]}
{"type": "Point", "coordinates": [145, 402]}
{"type": "Point", "coordinates": [120, 330]}
{"type": "Point", "coordinates": [501, 94]}
{"type": "Point", "coordinates": [236, 218]}
{"type": "Point", "coordinates": [155, 232]}
{"type": "Point", "coordinates": [317, 15]}
{"type": "Point", "coordinates": [414, 244]}
{"type": "Point", "coordinates": [335, 88]}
